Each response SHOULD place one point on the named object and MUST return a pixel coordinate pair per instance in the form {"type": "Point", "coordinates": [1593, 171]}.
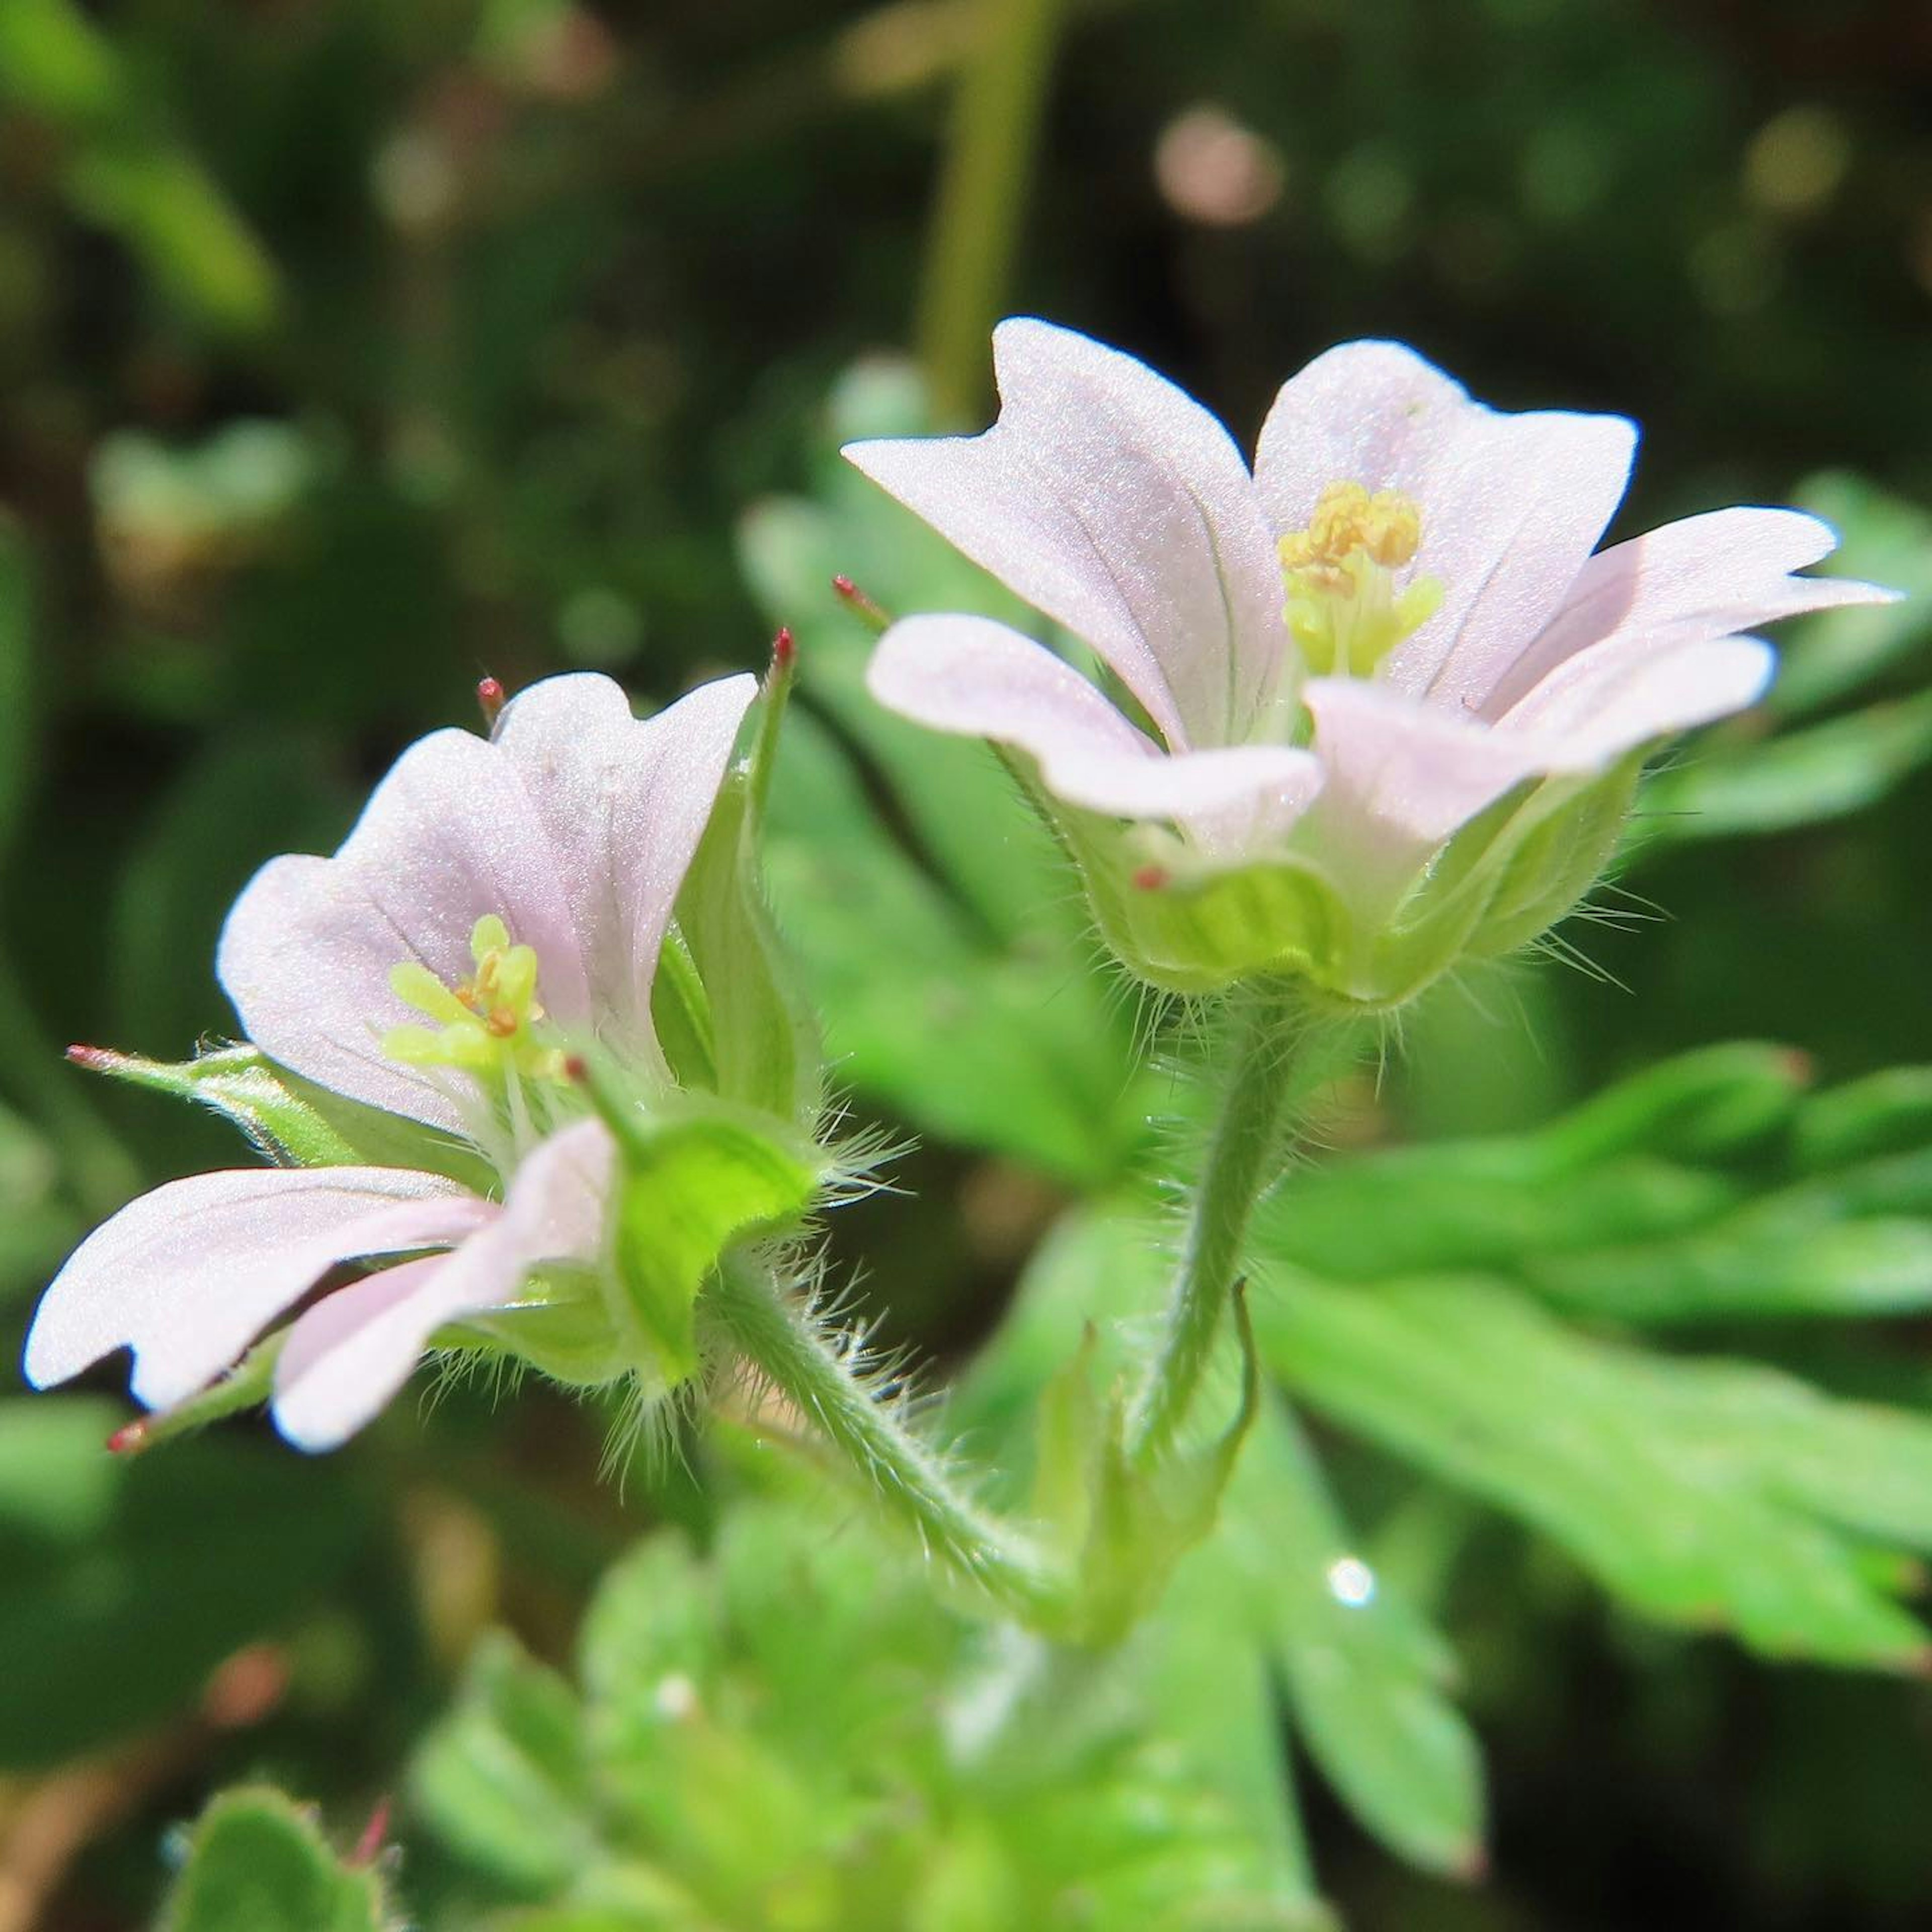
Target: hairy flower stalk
{"type": "Point", "coordinates": [773, 1329]}
{"type": "Point", "coordinates": [1272, 1041]}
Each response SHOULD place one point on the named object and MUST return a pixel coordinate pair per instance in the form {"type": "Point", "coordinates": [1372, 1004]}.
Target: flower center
{"type": "Point", "coordinates": [485, 1022]}
{"type": "Point", "coordinates": [1344, 611]}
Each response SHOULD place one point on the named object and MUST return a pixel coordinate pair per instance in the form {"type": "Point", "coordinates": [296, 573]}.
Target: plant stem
{"type": "Point", "coordinates": [775, 1329]}
{"type": "Point", "coordinates": [988, 161]}
{"type": "Point", "coordinates": [1269, 1068]}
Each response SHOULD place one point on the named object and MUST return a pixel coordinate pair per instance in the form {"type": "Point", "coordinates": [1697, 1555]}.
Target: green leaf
{"type": "Point", "coordinates": [1823, 771]}
{"type": "Point", "coordinates": [693, 1183]}
{"type": "Point", "coordinates": [1477, 1385]}
{"type": "Point", "coordinates": [1793, 1254]}
{"type": "Point", "coordinates": [1886, 540]}
{"type": "Point", "coordinates": [1021, 1051]}
{"type": "Point", "coordinates": [987, 844]}
{"type": "Point", "coordinates": [127, 174]}
{"type": "Point", "coordinates": [1368, 1684]}
{"type": "Point", "coordinates": [127, 1581]}
{"type": "Point", "coordinates": [505, 1776]}
{"type": "Point", "coordinates": [1884, 1113]}
{"type": "Point", "coordinates": [256, 1863]}
{"type": "Point", "coordinates": [292, 1120]}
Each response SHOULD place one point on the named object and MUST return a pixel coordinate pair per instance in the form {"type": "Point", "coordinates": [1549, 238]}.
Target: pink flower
{"type": "Point", "coordinates": [515, 893]}
{"type": "Point", "coordinates": [1345, 657]}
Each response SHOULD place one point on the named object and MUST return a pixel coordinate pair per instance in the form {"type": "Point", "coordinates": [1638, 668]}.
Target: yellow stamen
{"type": "Point", "coordinates": [485, 1021]}
{"type": "Point", "coordinates": [1342, 608]}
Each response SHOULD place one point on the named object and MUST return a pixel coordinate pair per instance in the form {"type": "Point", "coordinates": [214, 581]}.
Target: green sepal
{"type": "Point", "coordinates": [1124, 1522]}
{"type": "Point", "coordinates": [561, 1326]}
{"type": "Point", "coordinates": [1504, 879]}
{"type": "Point", "coordinates": [763, 1038]}
{"type": "Point", "coordinates": [293, 1121]}
{"type": "Point", "coordinates": [695, 1176]}
{"type": "Point", "coordinates": [256, 1863]}
{"type": "Point", "coordinates": [247, 1385]}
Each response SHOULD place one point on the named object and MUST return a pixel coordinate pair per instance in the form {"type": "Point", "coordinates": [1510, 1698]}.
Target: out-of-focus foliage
{"type": "Point", "coordinates": [790, 1732]}
{"type": "Point", "coordinates": [348, 351]}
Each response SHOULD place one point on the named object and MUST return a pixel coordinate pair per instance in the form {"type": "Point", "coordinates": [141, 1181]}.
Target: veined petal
{"type": "Point", "coordinates": [1715, 575]}
{"type": "Point", "coordinates": [1607, 700]}
{"type": "Point", "coordinates": [1511, 504]}
{"type": "Point", "coordinates": [1117, 506]}
{"type": "Point", "coordinates": [622, 803]}
{"type": "Point", "coordinates": [978, 679]}
{"type": "Point", "coordinates": [347, 1356]}
{"type": "Point", "coordinates": [187, 1276]}
{"type": "Point", "coordinates": [306, 954]}
{"type": "Point", "coordinates": [1401, 779]}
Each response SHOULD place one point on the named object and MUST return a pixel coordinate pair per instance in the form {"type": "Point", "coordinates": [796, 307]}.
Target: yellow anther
{"type": "Point", "coordinates": [1387, 526]}
{"type": "Point", "coordinates": [1342, 608]}
{"type": "Point", "coordinates": [485, 1021]}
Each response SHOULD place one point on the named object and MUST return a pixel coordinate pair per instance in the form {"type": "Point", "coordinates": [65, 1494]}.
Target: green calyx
{"type": "Point", "coordinates": [1503, 879]}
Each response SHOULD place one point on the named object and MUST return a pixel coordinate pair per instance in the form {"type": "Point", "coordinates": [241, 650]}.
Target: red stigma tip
{"type": "Point", "coordinates": [369, 1846]}
{"type": "Point", "coordinates": [785, 649]}
{"type": "Point", "coordinates": [859, 603]}
{"type": "Point", "coordinates": [490, 695]}
{"type": "Point", "coordinates": [130, 1438]}
{"type": "Point", "coordinates": [1151, 878]}
{"type": "Point", "coordinates": [576, 1069]}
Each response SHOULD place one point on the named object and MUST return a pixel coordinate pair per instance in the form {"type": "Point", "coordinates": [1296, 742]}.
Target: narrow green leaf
{"type": "Point", "coordinates": [1021, 1052]}
{"type": "Point", "coordinates": [292, 1119]}
{"type": "Point", "coordinates": [256, 1863]}
{"type": "Point", "coordinates": [1884, 1113]}
{"type": "Point", "coordinates": [1803, 777]}
{"type": "Point", "coordinates": [986, 841]}
{"type": "Point", "coordinates": [1886, 540]}
{"type": "Point", "coordinates": [1367, 1683]}
{"type": "Point", "coordinates": [1790, 1255]}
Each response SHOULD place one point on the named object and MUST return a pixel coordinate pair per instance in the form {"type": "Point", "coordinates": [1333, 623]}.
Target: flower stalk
{"type": "Point", "coordinates": [773, 1329]}
{"type": "Point", "coordinates": [1276, 1049]}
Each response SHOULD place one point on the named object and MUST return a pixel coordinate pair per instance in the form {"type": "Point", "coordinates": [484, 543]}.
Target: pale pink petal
{"type": "Point", "coordinates": [187, 1276]}
{"type": "Point", "coordinates": [449, 835]}
{"type": "Point", "coordinates": [1113, 503]}
{"type": "Point", "coordinates": [623, 802]}
{"type": "Point", "coordinates": [1606, 701]}
{"type": "Point", "coordinates": [977, 679]}
{"type": "Point", "coordinates": [1712, 576]}
{"type": "Point", "coordinates": [1399, 780]}
{"type": "Point", "coordinates": [1512, 505]}
{"type": "Point", "coordinates": [341, 1365]}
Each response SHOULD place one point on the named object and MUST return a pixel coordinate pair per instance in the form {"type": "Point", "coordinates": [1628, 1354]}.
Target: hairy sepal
{"type": "Point", "coordinates": [296, 1122]}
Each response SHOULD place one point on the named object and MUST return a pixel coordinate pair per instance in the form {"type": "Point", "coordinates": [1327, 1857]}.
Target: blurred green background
{"type": "Point", "coordinates": [350, 350]}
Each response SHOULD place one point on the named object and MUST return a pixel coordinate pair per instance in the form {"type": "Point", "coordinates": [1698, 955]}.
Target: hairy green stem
{"type": "Point", "coordinates": [1268, 1066]}
{"type": "Point", "coordinates": [774, 1331]}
